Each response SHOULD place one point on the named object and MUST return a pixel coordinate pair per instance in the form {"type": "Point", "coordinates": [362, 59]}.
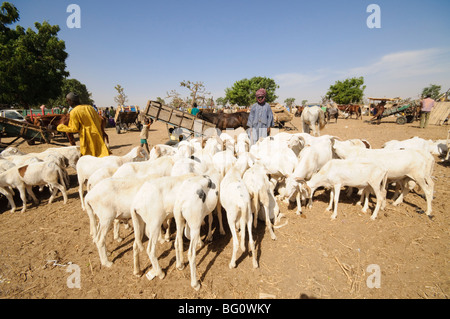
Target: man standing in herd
{"type": "Point", "coordinates": [260, 119]}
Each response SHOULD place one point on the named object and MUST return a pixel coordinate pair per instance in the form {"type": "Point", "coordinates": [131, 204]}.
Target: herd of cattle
{"type": "Point", "coordinates": [198, 177]}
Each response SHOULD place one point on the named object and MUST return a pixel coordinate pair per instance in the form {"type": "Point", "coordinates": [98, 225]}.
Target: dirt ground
{"type": "Point", "coordinates": [313, 257]}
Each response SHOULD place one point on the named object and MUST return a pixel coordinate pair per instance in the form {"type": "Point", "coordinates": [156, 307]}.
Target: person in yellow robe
{"type": "Point", "coordinates": [85, 121]}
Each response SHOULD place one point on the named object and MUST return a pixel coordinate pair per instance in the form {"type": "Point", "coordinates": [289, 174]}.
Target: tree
{"type": "Point", "coordinates": [433, 90]}
{"type": "Point", "coordinates": [121, 98]}
{"type": "Point", "coordinates": [289, 101]}
{"type": "Point", "coordinates": [304, 102]}
{"type": "Point", "coordinates": [348, 91]}
{"type": "Point", "coordinates": [71, 85]}
{"type": "Point", "coordinates": [160, 100]}
{"type": "Point", "coordinates": [32, 64]}
{"type": "Point", "coordinates": [198, 91]}
{"type": "Point", "coordinates": [243, 92]}
{"type": "Point", "coordinates": [177, 101]}
{"type": "Point", "coordinates": [221, 101]}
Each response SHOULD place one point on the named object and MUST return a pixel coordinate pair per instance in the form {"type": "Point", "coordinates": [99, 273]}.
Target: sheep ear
{"type": "Point", "coordinates": [22, 170]}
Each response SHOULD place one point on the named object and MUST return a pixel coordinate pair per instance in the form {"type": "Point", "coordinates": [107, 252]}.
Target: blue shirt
{"type": "Point", "coordinates": [194, 111]}
{"type": "Point", "coordinates": [260, 116]}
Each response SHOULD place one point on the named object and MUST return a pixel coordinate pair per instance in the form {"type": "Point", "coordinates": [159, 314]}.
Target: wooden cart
{"type": "Point", "coordinates": [406, 113]}
{"type": "Point", "coordinates": [29, 132]}
{"type": "Point", "coordinates": [176, 119]}
{"type": "Point", "coordinates": [125, 116]}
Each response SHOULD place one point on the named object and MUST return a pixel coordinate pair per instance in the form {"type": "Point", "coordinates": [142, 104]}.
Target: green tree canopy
{"type": "Point", "coordinates": [433, 90]}
{"type": "Point", "coordinates": [32, 64]}
{"type": "Point", "coordinates": [348, 91]}
{"type": "Point", "coordinates": [243, 92]}
{"type": "Point", "coordinates": [71, 85]}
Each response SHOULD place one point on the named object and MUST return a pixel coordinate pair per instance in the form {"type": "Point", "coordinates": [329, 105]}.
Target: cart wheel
{"type": "Point", "coordinates": [401, 120]}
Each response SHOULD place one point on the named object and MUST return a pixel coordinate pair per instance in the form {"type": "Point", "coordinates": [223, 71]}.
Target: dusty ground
{"type": "Point", "coordinates": [313, 257]}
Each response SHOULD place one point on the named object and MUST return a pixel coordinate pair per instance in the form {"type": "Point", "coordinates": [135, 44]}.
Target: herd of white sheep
{"type": "Point", "coordinates": [198, 177]}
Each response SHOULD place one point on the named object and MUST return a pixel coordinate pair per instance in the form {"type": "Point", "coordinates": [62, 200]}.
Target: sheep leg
{"type": "Point", "coordinates": [251, 242]}
{"type": "Point", "coordinates": [255, 206]}
{"type": "Point", "coordinates": [180, 223]}
{"type": "Point", "coordinates": [428, 190]}
{"type": "Point", "coordinates": [138, 226]}
{"type": "Point", "coordinates": [10, 199]}
{"type": "Point", "coordinates": [154, 232]}
{"type": "Point", "coordinates": [210, 221]}
{"type": "Point", "coordinates": [100, 240]}
{"type": "Point", "coordinates": [219, 216]}
{"type": "Point", "coordinates": [330, 204]}
{"type": "Point", "coordinates": [80, 191]}
{"type": "Point", "coordinates": [365, 194]}
{"type": "Point", "coordinates": [116, 231]}
{"type": "Point", "coordinates": [337, 189]}
{"type": "Point", "coordinates": [23, 197]}
{"type": "Point", "coordinates": [195, 237]}
{"type": "Point", "coordinates": [299, 203]}
{"type": "Point", "coordinates": [31, 193]}
{"type": "Point", "coordinates": [379, 196]}
{"type": "Point", "coordinates": [231, 224]}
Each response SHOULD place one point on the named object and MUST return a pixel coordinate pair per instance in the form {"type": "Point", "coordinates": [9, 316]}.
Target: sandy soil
{"type": "Point", "coordinates": [313, 257]}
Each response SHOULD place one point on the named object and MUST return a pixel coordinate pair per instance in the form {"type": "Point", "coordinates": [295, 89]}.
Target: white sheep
{"type": "Point", "coordinates": [44, 174]}
{"type": "Point", "coordinates": [11, 179]}
{"type": "Point", "coordinates": [353, 172]}
{"type": "Point", "coordinates": [235, 198]}
{"type": "Point", "coordinates": [402, 166]}
{"type": "Point", "coordinates": [110, 200]}
{"type": "Point", "coordinates": [260, 190]}
{"type": "Point", "coordinates": [197, 198]}
{"type": "Point", "coordinates": [88, 164]}
{"type": "Point", "coordinates": [152, 205]}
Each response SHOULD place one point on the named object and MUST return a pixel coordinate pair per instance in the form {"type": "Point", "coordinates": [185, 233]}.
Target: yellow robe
{"type": "Point", "coordinates": [85, 121]}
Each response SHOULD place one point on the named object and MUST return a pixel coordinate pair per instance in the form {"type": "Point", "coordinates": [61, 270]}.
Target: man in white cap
{"type": "Point", "coordinates": [260, 119]}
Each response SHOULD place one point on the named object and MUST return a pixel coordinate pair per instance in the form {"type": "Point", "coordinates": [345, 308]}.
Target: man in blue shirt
{"type": "Point", "coordinates": [195, 109]}
{"type": "Point", "coordinates": [260, 119]}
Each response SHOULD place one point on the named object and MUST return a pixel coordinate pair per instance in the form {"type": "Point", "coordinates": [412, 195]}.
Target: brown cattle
{"type": "Point", "coordinates": [225, 120]}
{"type": "Point", "coordinates": [351, 109]}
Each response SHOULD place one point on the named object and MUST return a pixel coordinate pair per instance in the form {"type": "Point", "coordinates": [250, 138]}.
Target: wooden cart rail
{"type": "Point", "coordinates": [177, 118]}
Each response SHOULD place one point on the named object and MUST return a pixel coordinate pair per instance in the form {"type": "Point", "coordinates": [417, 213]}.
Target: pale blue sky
{"type": "Point", "coordinates": [149, 47]}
